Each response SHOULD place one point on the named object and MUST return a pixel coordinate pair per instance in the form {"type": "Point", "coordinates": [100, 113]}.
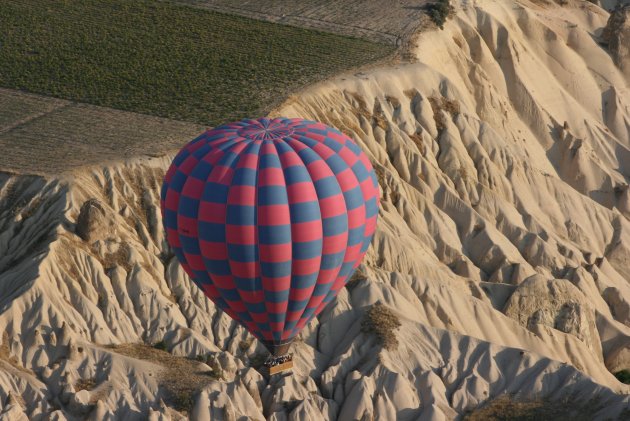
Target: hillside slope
{"type": "Point", "coordinates": [503, 247]}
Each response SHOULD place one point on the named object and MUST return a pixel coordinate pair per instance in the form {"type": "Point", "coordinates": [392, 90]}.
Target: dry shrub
{"type": "Point", "coordinates": [118, 258]}
{"type": "Point", "coordinates": [217, 370]}
{"type": "Point", "coordinates": [416, 138]}
{"type": "Point", "coordinates": [245, 344]}
{"type": "Point", "coordinates": [507, 407]}
{"type": "Point", "coordinates": [360, 102]}
{"type": "Point", "coordinates": [438, 104]}
{"type": "Point", "coordinates": [85, 384]}
{"type": "Point", "coordinates": [378, 116]}
{"type": "Point", "coordinates": [179, 379]}
{"type": "Point", "coordinates": [380, 176]}
{"type": "Point", "coordinates": [182, 400]}
{"type": "Point", "coordinates": [5, 355]}
{"type": "Point", "coordinates": [359, 106]}
{"type": "Point", "coordinates": [354, 280]}
{"type": "Point", "coordinates": [382, 322]}
{"type": "Point", "coordinates": [256, 361]}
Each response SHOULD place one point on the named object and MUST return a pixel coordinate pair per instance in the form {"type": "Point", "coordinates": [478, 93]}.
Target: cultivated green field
{"type": "Point", "coordinates": [165, 59]}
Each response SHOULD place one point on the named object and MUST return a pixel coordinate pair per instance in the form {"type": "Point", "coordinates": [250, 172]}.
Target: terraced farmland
{"type": "Point", "coordinates": [367, 19]}
{"type": "Point", "coordinates": [166, 59]}
{"type": "Point", "coordinates": [48, 136]}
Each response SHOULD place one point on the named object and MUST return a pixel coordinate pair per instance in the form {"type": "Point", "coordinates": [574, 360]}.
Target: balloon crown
{"type": "Point", "coordinates": [266, 129]}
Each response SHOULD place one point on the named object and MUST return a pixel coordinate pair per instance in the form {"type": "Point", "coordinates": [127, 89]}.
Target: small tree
{"type": "Point", "coordinates": [623, 376]}
{"type": "Point", "coordinates": [440, 11]}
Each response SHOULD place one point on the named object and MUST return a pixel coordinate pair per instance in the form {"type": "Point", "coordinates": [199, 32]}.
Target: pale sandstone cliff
{"type": "Point", "coordinates": [503, 247]}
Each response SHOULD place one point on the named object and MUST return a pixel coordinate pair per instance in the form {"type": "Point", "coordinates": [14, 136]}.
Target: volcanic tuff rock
{"type": "Point", "coordinates": [557, 304]}
{"type": "Point", "coordinates": [491, 205]}
{"type": "Point", "coordinates": [610, 4]}
{"type": "Point", "coordinates": [92, 223]}
{"type": "Point", "coordinates": [616, 35]}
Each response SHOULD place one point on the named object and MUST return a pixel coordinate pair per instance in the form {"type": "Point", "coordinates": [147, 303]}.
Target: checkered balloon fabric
{"type": "Point", "coordinates": [270, 218]}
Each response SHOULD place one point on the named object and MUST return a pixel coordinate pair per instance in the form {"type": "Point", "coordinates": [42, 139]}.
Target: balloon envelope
{"type": "Point", "coordinates": [270, 218]}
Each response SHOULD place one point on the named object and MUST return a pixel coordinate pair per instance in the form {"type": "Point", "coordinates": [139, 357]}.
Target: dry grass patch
{"type": "Point", "coordinates": [180, 378]}
{"type": "Point", "coordinates": [380, 321]}
{"type": "Point", "coordinates": [439, 104]}
{"type": "Point", "coordinates": [380, 176]}
{"type": "Point", "coordinates": [378, 116]}
{"type": "Point", "coordinates": [360, 106]}
{"type": "Point", "coordinates": [416, 138]}
{"type": "Point", "coordinates": [357, 277]}
{"type": "Point", "coordinates": [85, 384]}
{"type": "Point", "coordinates": [245, 344]}
{"type": "Point", "coordinates": [505, 407]}
{"type": "Point", "coordinates": [5, 355]}
{"type": "Point", "coordinates": [118, 258]}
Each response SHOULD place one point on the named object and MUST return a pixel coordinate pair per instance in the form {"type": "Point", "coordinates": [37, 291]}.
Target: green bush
{"type": "Point", "coordinates": [257, 361]}
{"type": "Point", "coordinates": [217, 370]}
{"type": "Point", "coordinates": [183, 400]}
{"type": "Point", "coordinates": [161, 345]}
{"type": "Point", "coordinates": [623, 376]}
{"type": "Point", "coordinates": [245, 344]}
{"type": "Point", "coordinates": [440, 11]}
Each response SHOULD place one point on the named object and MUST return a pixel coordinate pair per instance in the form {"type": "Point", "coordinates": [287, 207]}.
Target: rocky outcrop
{"type": "Point", "coordinates": [616, 35]}
{"type": "Point", "coordinates": [610, 5]}
{"type": "Point", "coordinates": [557, 304]}
{"type": "Point", "coordinates": [92, 223]}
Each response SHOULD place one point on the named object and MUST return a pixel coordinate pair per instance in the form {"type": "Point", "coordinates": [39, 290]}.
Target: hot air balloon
{"type": "Point", "coordinates": [270, 218]}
